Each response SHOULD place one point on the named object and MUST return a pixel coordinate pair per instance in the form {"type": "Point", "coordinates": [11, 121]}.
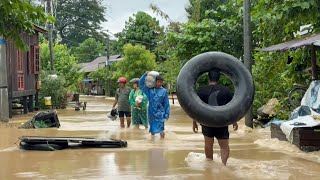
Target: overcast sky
{"type": "Point", "coordinates": [119, 11]}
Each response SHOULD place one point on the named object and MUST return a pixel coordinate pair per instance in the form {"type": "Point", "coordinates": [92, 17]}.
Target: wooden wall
{"type": "Point", "coordinates": [29, 78]}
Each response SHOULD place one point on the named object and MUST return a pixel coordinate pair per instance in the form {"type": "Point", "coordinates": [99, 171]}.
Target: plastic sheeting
{"type": "Point", "coordinates": [303, 115]}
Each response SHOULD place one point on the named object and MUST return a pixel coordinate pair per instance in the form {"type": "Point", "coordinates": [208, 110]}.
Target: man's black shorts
{"type": "Point", "coordinates": [122, 113]}
{"type": "Point", "coordinates": [217, 132]}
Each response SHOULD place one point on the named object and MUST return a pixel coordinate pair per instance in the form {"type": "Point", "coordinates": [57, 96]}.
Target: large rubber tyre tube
{"type": "Point", "coordinates": [215, 116]}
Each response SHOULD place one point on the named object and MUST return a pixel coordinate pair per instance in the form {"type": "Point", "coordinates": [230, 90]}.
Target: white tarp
{"type": "Point", "coordinates": [304, 115]}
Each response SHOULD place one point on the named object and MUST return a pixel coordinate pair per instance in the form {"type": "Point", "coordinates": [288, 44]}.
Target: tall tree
{"type": "Point", "coordinates": [19, 16]}
{"type": "Point", "coordinates": [137, 60]}
{"type": "Point", "coordinates": [209, 35]}
{"type": "Point", "coordinates": [78, 20]}
{"type": "Point", "coordinates": [197, 10]}
{"type": "Point", "coordinates": [65, 64]}
{"type": "Point", "coordinates": [277, 21]}
{"type": "Point", "coordinates": [140, 29]}
{"type": "Point", "coordinates": [89, 50]}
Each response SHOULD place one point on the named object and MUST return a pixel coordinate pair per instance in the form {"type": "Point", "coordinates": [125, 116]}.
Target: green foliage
{"type": "Point", "coordinates": [19, 16]}
{"type": "Point", "coordinates": [103, 75]}
{"type": "Point", "coordinates": [40, 124]}
{"type": "Point", "coordinates": [140, 29]}
{"type": "Point", "coordinates": [276, 22]}
{"type": "Point", "coordinates": [89, 50]}
{"type": "Point", "coordinates": [78, 20]}
{"type": "Point", "coordinates": [197, 10]}
{"type": "Point", "coordinates": [221, 32]}
{"type": "Point", "coordinates": [283, 109]}
{"type": "Point", "coordinates": [65, 64]}
{"type": "Point", "coordinates": [53, 87]}
{"type": "Point", "coordinates": [99, 74]}
{"type": "Point", "coordinates": [137, 60]}
{"type": "Point", "coordinates": [216, 25]}
{"type": "Point", "coordinates": [170, 70]}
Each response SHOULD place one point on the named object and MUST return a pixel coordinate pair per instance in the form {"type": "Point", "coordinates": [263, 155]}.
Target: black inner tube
{"type": "Point", "coordinates": [215, 116]}
{"type": "Point", "coordinates": [43, 146]}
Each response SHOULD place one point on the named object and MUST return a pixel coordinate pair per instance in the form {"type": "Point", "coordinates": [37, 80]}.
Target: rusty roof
{"type": "Point", "coordinates": [294, 44]}
{"type": "Point", "coordinates": [39, 29]}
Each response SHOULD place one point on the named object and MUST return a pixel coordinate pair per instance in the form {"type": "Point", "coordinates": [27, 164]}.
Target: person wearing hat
{"type": "Point", "coordinates": [138, 101]}
{"type": "Point", "coordinates": [159, 107]}
{"type": "Point", "coordinates": [216, 95]}
{"type": "Point", "coordinates": [122, 99]}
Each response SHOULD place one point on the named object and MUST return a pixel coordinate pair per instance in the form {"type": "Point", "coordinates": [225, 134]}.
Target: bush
{"type": "Point", "coordinates": [53, 87]}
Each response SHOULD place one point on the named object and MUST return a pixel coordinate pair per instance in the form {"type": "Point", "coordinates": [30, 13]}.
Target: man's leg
{"type": "Point", "coordinates": [129, 122]}
{"type": "Point", "coordinates": [122, 122]}
{"type": "Point", "coordinates": [208, 147]}
{"type": "Point", "coordinates": [224, 150]}
{"type": "Point", "coordinates": [162, 135]}
{"type": "Point", "coordinates": [121, 116]}
{"type": "Point", "coordinates": [128, 117]}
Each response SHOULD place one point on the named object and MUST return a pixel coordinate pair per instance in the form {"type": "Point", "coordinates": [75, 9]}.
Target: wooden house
{"type": "Point", "coordinates": [23, 72]}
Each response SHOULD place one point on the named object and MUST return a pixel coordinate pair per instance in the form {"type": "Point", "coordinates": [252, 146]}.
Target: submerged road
{"type": "Point", "coordinates": [180, 156]}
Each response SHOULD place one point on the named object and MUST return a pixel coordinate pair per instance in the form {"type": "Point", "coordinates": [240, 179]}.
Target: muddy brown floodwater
{"type": "Point", "coordinates": [180, 156]}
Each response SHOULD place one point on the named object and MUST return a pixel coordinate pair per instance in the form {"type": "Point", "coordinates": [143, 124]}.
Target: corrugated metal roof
{"type": "Point", "coordinates": [99, 62]}
{"type": "Point", "coordinates": [294, 44]}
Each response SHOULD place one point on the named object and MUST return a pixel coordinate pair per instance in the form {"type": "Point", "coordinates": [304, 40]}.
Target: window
{"type": "Point", "coordinates": [20, 61]}
{"type": "Point", "coordinates": [36, 56]}
{"type": "Point", "coordinates": [20, 82]}
{"type": "Point", "coordinates": [20, 70]}
{"type": "Point", "coordinates": [31, 60]}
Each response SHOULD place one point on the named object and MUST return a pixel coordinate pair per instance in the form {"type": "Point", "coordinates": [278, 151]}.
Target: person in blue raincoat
{"type": "Point", "coordinates": [159, 107]}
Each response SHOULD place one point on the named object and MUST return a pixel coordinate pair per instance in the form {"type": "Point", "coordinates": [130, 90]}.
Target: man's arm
{"type": "Point", "coordinates": [115, 100]}
{"type": "Point", "coordinates": [195, 126]}
{"type": "Point", "coordinates": [166, 106]}
{"type": "Point", "coordinates": [142, 85]}
{"type": "Point", "coordinates": [235, 126]}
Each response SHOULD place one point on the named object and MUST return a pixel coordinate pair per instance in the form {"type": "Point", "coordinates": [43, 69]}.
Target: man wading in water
{"type": "Point", "coordinates": [159, 108]}
{"type": "Point", "coordinates": [122, 99]}
{"type": "Point", "coordinates": [216, 95]}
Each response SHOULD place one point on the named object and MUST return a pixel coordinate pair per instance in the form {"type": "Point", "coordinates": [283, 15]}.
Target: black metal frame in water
{"type": "Point", "coordinates": [58, 143]}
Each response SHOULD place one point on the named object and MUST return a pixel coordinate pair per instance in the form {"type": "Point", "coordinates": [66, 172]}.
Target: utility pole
{"type": "Point", "coordinates": [50, 26]}
{"type": "Point", "coordinates": [247, 46]}
{"type": "Point", "coordinates": [108, 64]}
{"type": "Point", "coordinates": [4, 100]}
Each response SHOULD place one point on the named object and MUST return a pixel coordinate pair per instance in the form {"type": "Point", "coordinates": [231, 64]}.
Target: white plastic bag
{"type": "Point", "coordinates": [139, 99]}
{"type": "Point", "coordinates": [150, 81]}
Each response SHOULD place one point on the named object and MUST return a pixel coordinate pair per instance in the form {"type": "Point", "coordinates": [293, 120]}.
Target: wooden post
{"type": "Point", "coordinates": [10, 108]}
{"type": "Point", "coordinates": [30, 103]}
{"type": "Point", "coordinates": [50, 28]}
{"type": "Point", "coordinates": [25, 104]}
{"type": "Point", "coordinates": [247, 46]}
{"type": "Point", "coordinates": [36, 99]}
{"type": "Point", "coordinates": [314, 62]}
{"type": "Point", "coordinates": [4, 98]}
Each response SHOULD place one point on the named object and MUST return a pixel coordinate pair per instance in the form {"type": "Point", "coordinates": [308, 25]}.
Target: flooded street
{"type": "Point", "coordinates": [180, 156]}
